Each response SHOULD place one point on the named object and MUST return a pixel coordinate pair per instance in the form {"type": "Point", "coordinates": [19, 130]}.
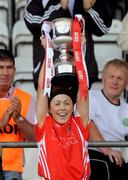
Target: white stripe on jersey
{"type": "Point", "coordinates": [42, 157]}
{"type": "Point", "coordinates": [85, 151]}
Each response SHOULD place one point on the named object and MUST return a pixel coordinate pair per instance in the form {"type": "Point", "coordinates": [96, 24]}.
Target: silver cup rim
{"type": "Point", "coordinates": [64, 18]}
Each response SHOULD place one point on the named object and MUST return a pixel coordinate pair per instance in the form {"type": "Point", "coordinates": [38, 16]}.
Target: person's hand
{"type": "Point", "coordinates": [6, 117]}
{"type": "Point", "coordinates": [64, 4]}
{"type": "Point", "coordinates": [114, 156]}
{"type": "Point", "coordinates": [43, 41]}
{"type": "Point", "coordinates": [88, 4]}
{"type": "Point", "coordinates": [15, 108]}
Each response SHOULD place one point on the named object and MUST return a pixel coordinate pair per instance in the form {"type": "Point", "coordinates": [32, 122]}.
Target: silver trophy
{"type": "Point", "coordinates": [62, 42]}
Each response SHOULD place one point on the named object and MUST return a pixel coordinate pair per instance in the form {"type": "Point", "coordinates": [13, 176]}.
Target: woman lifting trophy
{"type": "Point", "coordinates": [67, 41]}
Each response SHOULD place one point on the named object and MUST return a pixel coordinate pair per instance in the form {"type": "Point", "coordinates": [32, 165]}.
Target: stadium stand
{"type": "Point", "coordinates": [4, 11]}
{"type": "Point", "coordinates": [23, 68]}
{"type": "Point", "coordinates": [19, 9]}
{"type": "Point", "coordinates": [21, 39]}
{"type": "Point", "coordinates": [97, 85]}
{"type": "Point", "coordinates": [106, 46]}
{"type": "Point", "coordinates": [4, 31]}
{"type": "Point", "coordinates": [23, 77]}
{"type": "Point", "coordinates": [4, 36]}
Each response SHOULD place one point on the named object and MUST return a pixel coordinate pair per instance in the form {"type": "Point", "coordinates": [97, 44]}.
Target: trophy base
{"type": "Point", "coordinates": [63, 79]}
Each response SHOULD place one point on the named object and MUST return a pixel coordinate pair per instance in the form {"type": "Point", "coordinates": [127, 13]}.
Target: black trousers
{"type": "Point", "coordinates": [103, 169]}
{"type": "Point", "coordinates": [1, 172]}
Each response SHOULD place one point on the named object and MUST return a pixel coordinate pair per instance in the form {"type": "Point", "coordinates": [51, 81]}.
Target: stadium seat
{"type": "Point", "coordinates": [19, 9]}
{"type": "Point", "coordinates": [24, 77]}
{"type": "Point", "coordinates": [4, 36]}
{"type": "Point", "coordinates": [21, 39]}
{"type": "Point", "coordinates": [106, 47]}
{"type": "Point", "coordinates": [97, 85]}
{"type": "Point", "coordinates": [24, 68]}
{"type": "Point", "coordinates": [4, 11]}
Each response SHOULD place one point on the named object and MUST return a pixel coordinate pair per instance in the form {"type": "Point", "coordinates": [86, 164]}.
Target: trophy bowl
{"type": "Point", "coordinates": [62, 29]}
{"type": "Point", "coordinates": [64, 68]}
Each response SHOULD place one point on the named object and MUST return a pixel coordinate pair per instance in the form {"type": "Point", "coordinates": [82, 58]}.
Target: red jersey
{"type": "Point", "coordinates": [63, 153]}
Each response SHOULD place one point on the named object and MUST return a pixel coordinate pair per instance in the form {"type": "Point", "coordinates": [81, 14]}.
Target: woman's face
{"type": "Point", "coordinates": [61, 108]}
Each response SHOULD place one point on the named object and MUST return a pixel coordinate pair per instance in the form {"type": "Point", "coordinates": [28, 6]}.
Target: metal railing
{"type": "Point", "coordinates": [90, 144]}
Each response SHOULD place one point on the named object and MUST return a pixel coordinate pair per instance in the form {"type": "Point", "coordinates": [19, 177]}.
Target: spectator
{"type": "Point", "coordinates": [97, 21]}
{"type": "Point", "coordinates": [122, 39]}
{"type": "Point", "coordinates": [34, 15]}
{"type": "Point", "coordinates": [61, 134]}
{"type": "Point", "coordinates": [108, 112]}
{"type": "Point", "coordinates": [17, 109]}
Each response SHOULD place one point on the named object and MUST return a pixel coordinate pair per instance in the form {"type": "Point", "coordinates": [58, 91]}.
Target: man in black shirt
{"type": "Point", "coordinates": [98, 19]}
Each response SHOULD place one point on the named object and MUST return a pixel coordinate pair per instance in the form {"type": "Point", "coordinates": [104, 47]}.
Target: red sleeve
{"type": "Point", "coordinates": [38, 132]}
{"type": "Point", "coordinates": [85, 131]}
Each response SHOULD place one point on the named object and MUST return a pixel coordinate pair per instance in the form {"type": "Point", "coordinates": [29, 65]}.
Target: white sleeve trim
{"type": "Point", "coordinates": [39, 19]}
{"type": "Point", "coordinates": [95, 16]}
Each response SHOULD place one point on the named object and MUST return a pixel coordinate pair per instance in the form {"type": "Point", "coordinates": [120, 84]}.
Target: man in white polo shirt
{"type": "Point", "coordinates": [109, 115]}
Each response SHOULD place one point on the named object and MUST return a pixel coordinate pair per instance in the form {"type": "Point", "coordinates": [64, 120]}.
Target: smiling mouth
{"type": "Point", "coordinates": [62, 115]}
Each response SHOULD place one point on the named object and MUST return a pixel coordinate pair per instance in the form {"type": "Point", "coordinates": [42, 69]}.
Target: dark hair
{"type": "Point", "coordinates": [68, 90]}
{"type": "Point", "coordinates": [5, 54]}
